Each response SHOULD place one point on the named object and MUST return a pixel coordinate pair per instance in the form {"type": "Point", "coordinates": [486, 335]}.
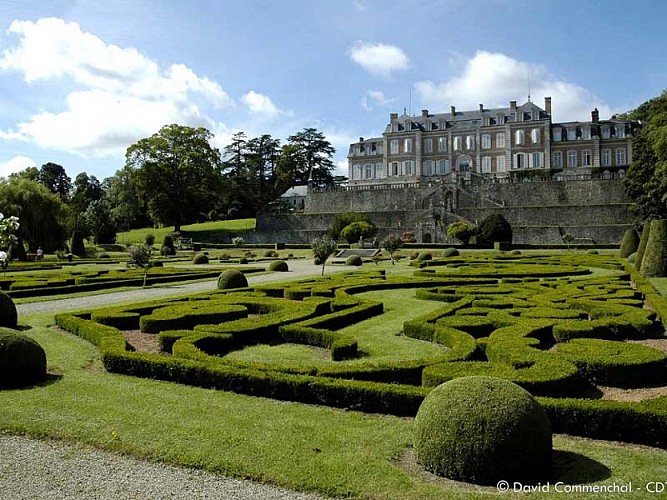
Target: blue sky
{"type": "Point", "coordinates": [81, 80]}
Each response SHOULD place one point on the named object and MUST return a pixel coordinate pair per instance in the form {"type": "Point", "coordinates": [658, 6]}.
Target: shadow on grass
{"type": "Point", "coordinates": [574, 468]}
{"type": "Point", "coordinates": [51, 378]}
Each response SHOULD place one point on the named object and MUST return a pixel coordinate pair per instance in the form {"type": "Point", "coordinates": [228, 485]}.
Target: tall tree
{"type": "Point", "coordinates": [261, 157]}
{"type": "Point", "coordinates": [99, 222]}
{"type": "Point", "coordinates": [128, 210]}
{"type": "Point", "coordinates": [39, 210]}
{"type": "Point", "coordinates": [313, 157]}
{"type": "Point", "coordinates": [646, 179]}
{"type": "Point", "coordinates": [178, 172]}
{"type": "Point", "coordinates": [87, 188]}
{"type": "Point", "coordinates": [54, 177]}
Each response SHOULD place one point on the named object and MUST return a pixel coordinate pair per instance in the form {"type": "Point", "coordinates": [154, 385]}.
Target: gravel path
{"type": "Point", "coordinates": [38, 470]}
{"type": "Point", "coordinates": [41, 470]}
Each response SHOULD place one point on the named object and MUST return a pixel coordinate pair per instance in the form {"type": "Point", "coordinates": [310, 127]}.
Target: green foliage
{"type": "Point", "coordinates": [22, 360]}
{"type": "Point", "coordinates": [654, 261]}
{"type": "Point", "coordinates": [494, 228]}
{"type": "Point", "coordinates": [424, 256]}
{"type": "Point", "coordinates": [341, 221]}
{"type": "Point", "coordinates": [482, 430]}
{"type": "Point", "coordinates": [462, 231]}
{"type": "Point", "coordinates": [150, 239]}
{"type": "Point", "coordinates": [238, 241]}
{"type": "Point", "coordinates": [322, 250]}
{"type": "Point", "coordinates": [167, 246]}
{"type": "Point", "coordinates": [355, 231]}
{"type": "Point", "coordinates": [76, 245]}
{"type": "Point", "coordinates": [391, 243]}
{"type": "Point", "coordinates": [8, 314]}
{"type": "Point", "coordinates": [629, 243]}
{"type": "Point", "coordinates": [232, 278]}
{"type": "Point", "coordinates": [641, 249]}
{"type": "Point", "coordinates": [279, 266]}
{"type": "Point", "coordinates": [99, 222]}
{"type": "Point", "coordinates": [354, 260]}
{"type": "Point", "coordinates": [200, 258]}
{"type": "Point", "coordinates": [450, 252]}
{"type": "Point", "coordinates": [140, 257]}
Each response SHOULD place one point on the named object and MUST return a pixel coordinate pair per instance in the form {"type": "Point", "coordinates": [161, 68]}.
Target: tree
{"type": "Point", "coordinates": [322, 249]}
{"type": "Point", "coordinates": [358, 230]}
{"type": "Point", "coordinates": [86, 190]}
{"type": "Point", "coordinates": [54, 177]}
{"type": "Point", "coordinates": [128, 210]}
{"type": "Point", "coordinates": [341, 221]}
{"type": "Point", "coordinates": [99, 222]}
{"type": "Point", "coordinates": [461, 230]}
{"type": "Point", "coordinates": [494, 228]}
{"type": "Point", "coordinates": [646, 179]}
{"type": "Point", "coordinates": [140, 257]}
{"type": "Point", "coordinates": [391, 243]}
{"type": "Point", "coordinates": [312, 157]}
{"type": "Point", "coordinates": [41, 213]}
{"type": "Point", "coordinates": [8, 226]}
{"type": "Point", "coordinates": [178, 172]}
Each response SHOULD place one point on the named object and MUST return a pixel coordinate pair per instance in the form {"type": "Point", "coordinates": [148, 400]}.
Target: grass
{"type": "Point", "coordinates": [205, 232]}
{"type": "Point", "coordinates": [301, 447]}
{"type": "Point", "coordinates": [660, 285]}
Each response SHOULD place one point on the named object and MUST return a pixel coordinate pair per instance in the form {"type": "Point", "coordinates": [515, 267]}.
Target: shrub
{"type": "Point", "coordinates": [461, 231]}
{"type": "Point", "coordinates": [8, 314]}
{"type": "Point", "coordinates": [481, 430]}
{"type": "Point", "coordinates": [279, 266]}
{"type": "Point", "coordinates": [642, 245]}
{"type": "Point", "coordinates": [354, 260]}
{"type": "Point", "coordinates": [200, 258]}
{"type": "Point", "coordinates": [238, 241]}
{"type": "Point", "coordinates": [243, 260]}
{"type": "Point", "coordinates": [322, 249]}
{"type": "Point", "coordinates": [103, 256]}
{"type": "Point", "coordinates": [450, 252]}
{"type": "Point", "coordinates": [494, 228]}
{"type": "Point", "coordinates": [424, 256]}
{"type": "Point", "coordinates": [343, 220]}
{"type": "Point", "coordinates": [629, 243]}
{"type": "Point", "coordinates": [654, 263]}
{"type": "Point", "coordinates": [22, 360]}
{"type": "Point", "coordinates": [76, 244]}
{"type": "Point", "coordinates": [270, 253]}
{"type": "Point", "coordinates": [232, 278]}
{"type": "Point", "coordinates": [357, 230]}
{"type": "Point", "coordinates": [592, 252]}
{"type": "Point", "coordinates": [167, 247]}
{"type": "Point", "coordinates": [150, 239]}
{"type": "Point", "coordinates": [632, 257]}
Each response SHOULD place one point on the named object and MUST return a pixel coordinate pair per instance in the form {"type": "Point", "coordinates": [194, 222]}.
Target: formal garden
{"type": "Point", "coordinates": [553, 364]}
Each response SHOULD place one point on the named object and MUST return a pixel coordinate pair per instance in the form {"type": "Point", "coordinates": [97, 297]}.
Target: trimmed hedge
{"type": "Point", "coordinates": [232, 278]}
{"type": "Point", "coordinates": [22, 360]}
{"type": "Point", "coordinates": [279, 266]}
{"type": "Point", "coordinates": [654, 262]}
{"type": "Point", "coordinates": [629, 243]}
{"type": "Point", "coordinates": [643, 241]}
{"type": "Point", "coordinates": [8, 314]}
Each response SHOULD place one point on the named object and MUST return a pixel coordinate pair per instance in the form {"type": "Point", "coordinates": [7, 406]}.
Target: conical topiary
{"type": "Point", "coordinates": [654, 263]}
{"type": "Point", "coordinates": [629, 243]}
{"type": "Point", "coordinates": [642, 245]}
{"type": "Point", "coordinates": [76, 244]}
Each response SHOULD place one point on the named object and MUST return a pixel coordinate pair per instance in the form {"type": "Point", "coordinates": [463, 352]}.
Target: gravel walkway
{"type": "Point", "coordinates": [39, 470]}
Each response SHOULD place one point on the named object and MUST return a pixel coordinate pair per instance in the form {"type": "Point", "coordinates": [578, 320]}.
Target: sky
{"type": "Point", "coordinates": [81, 80]}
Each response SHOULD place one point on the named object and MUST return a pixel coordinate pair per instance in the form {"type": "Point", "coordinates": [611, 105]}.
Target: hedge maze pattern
{"type": "Point", "coordinates": [544, 323]}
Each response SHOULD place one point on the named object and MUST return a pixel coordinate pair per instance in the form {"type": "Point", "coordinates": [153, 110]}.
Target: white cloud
{"type": "Point", "coordinates": [116, 95]}
{"type": "Point", "coordinates": [376, 97]}
{"type": "Point", "coordinates": [260, 104]}
{"type": "Point", "coordinates": [494, 79]}
{"type": "Point", "coordinates": [16, 164]}
{"type": "Point", "coordinates": [379, 59]}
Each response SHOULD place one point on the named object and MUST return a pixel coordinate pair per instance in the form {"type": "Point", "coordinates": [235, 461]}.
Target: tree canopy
{"type": "Point", "coordinates": [646, 179]}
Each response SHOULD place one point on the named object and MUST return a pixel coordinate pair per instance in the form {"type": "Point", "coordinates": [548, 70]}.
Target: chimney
{"type": "Point", "coordinates": [512, 105]}
{"type": "Point", "coordinates": [453, 111]}
{"type": "Point", "coordinates": [393, 116]}
{"type": "Point", "coordinates": [595, 115]}
{"type": "Point", "coordinates": [424, 113]}
{"type": "Point", "coordinates": [547, 105]}
{"type": "Point", "coordinates": [481, 108]}
{"type": "Point", "coordinates": [361, 139]}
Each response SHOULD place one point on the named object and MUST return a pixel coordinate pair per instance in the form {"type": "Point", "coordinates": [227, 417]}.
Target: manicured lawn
{"type": "Point", "coordinates": [204, 232]}
{"type": "Point", "coordinates": [310, 448]}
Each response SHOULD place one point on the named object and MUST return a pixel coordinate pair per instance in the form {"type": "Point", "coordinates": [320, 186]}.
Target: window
{"type": "Point", "coordinates": [379, 170]}
{"type": "Point", "coordinates": [571, 158]}
{"type": "Point", "coordinates": [558, 159]}
{"type": "Point", "coordinates": [408, 167]}
{"type": "Point", "coordinates": [470, 142]}
{"type": "Point", "coordinates": [442, 144]}
{"type": "Point", "coordinates": [500, 164]}
{"type": "Point", "coordinates": [486, 164]}
{"type": "Point", "coordinates": [571, 134]}
{"type": "Point", "coordinates": [394, 147]}
{"type": "Point", "coordinates": [428, 145]}
{"type": "Point", "coordinates": [605, 132]}
{"type": "Point", "coordinates": [620, 156]}
{"type": "Point", "coordinates": [606, 157]}
{"type": "Point", "coordinates": [356, 172]}
{"type": "Point", "coordinates": [535, 136]}
{"type": "Point", "coordinates": [429, 167]}
{"type": "Point", "coordinates": [500, 140]}
{"type": "Point", "coordinates": [536, 160]}
{"type": "Point", "coordinates": [394, 168]}
{"type": "Point", "coordinates": [374, 147]}
{"type": "Point", "coordinates": [519, 160]}
{"type": "Point", "coordinates": [557, 134]}
{"type": "Point", "coordinates": [486, 141]}
{"type": "Point", "coordinates": [519, 137]}
{"type": "Point", "coordinates": [458, 141]}
{"type": "Point", "coordinates": [586, 158]}
{"type": "Point", "coordinates": [586, 133]}
{"type": "Point", "coordinates": [407, 145]}
{"type": "Point", "coordinates": [443, 167]}
{"type": "Point", "coordinates": [362, 148]}
{"type": "Point", "coordinates": [368, 171]}
{"type": "Point", "coordinates": [620, 132]}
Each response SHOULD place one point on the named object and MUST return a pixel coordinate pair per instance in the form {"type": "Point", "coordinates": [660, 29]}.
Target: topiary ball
{"type": "Point", "coordinates": [243, 260]}
{"type": "Point", "coordinates": [22, 360]}
{"type": "Point", "coordinates": [592, 252]}
{"type": "Point", "coordinates": [232, 278]}
{"type": "Point", "coordinates": [354, 260]}
{"type": "Point", "coordinates": [424, 256]}
{"type": "Point", "coordinates": [482, 430]}
{"type": "Point", "coordinates": [450, 252]}
{"type": "Point", "coordinates": [279, 266]}
{"type": "Point", "coordinates": [8, 315]}
{"type": "Point", "coordinates": [200, 258]}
